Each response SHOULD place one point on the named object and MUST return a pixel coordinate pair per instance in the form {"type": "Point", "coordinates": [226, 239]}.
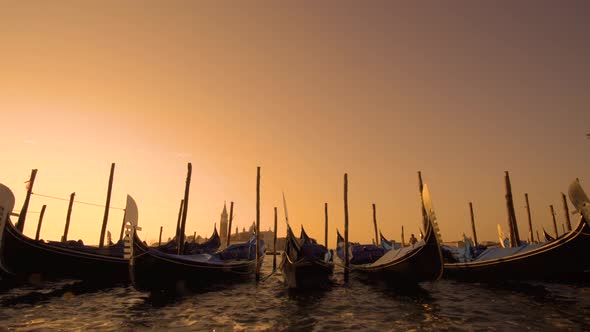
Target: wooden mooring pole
{"type": "Point", "coordinates": [375, 224]}
{"type": "Point", "coordinates": [178, 222]}
{"type": "Point", "coordinates": [326, 225]}
{"type": "Point", "coordinates": [105, 219]}
{"type": "Point", "coordinates": [160, 237]}
{"type": "Point", "coordinates": [566, 211]}
{"type": "Point", "coordinates": [346, 258]}
{"type": "Point", "coordinates": [185, 208]}
{"type": "Point", "coordinates": [258, 224]}
{"type": "Point", "coordinates": [40, 222]}
{"type": "Point", "coordinates": [20, 224]}
{"type": "Point", "coordinates": [231, 219]}
{"type": "Point", "coordinates": [274, 244]}
{"type": "Point", "coordinates": [473, 224]}
{"type": "Point", "coordinates": [528, 212]}
{"type": "Point", "coordinates": [68, 216]}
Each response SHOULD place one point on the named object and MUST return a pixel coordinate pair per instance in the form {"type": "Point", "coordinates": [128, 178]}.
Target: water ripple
{"type": "Point", "coordinates": [268, 306]}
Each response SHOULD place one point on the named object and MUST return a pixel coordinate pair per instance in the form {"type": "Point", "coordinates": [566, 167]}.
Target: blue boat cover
{"type": "Point", "coordinates": [359, 253]}
{"type": "Point", "coordinates": [305, 248]}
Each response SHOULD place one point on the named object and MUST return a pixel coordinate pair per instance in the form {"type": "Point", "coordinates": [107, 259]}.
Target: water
{"type": "Point", "coordinates": [441, 305]}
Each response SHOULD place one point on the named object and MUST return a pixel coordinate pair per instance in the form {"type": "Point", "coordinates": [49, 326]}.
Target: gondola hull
{"type": "Point", "coordinates": [565, 258]}
{"type": "Point", "coordinates": [424, 263]}
{"type": "Point", "coordinates": [407, 266]}
{"type": "Point", "coordinates": [34, 260]}
{"type": "Point", "coordinates": [153, 271]}
{"type": "Point", "coordinates": [306, 274]}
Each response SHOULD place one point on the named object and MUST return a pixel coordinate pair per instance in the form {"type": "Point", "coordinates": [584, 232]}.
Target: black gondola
{"type": "Point", "coordinates": [29, 259]}
{"type": "Point", "coordinates": [564, 258]}
{"type": "Point", "coordinates": [192, 248]}
{"type": "Point", "coordinates": [155, 271]}
{"type": "Point", "coordinates": [407, 265]}
{"type": "Point", "coordinates": [305, 263]}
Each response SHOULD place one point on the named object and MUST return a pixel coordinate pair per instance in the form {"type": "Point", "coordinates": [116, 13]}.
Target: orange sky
{"type": "Point", "coordinates": [308, 92]}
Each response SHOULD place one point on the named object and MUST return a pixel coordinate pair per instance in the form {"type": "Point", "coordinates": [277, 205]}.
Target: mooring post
{"type": "Point", "coordinates": [375, 224]}
{"type": "Point", "coordinates": [274, 244]}
{"type": "Point", "coordinates": [231, 218]}
{"type": "Point", "coordinates": [528, 212]}
{"type": "Point", "coordinates": [258, 224]}
{"type": "Point", "coordinates": [566, 211]}
{"type": "Point", "coordinates": [178, 222]}
{"type": "Point", "coordinates": [326, 225]}
{"type": "Point", "coordinates": [20, 224]}
{"type": "Point", "coordinates": [346, 258]}
{"type": "Point", "coordinates": [107, 207]}
{"type": "Point", "coordinates": [473, 224]}
{"type": "Point", "coordinates": [185, 208]}
{"type": "Point", "coordinates": [554, 221]}
{"type": "Point", "coordinates": [67, 228]}
{"type": "Point", "coordinates": [160, 237]}
{"type": "Point", "coordinates": [40, 222]}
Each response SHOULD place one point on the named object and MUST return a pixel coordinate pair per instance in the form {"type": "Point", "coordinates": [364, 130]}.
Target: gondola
{"type": "Point", "coordinates": [405, 266]}
{"type": "Point", "coordinates": [152, 270]}
{"type": "Point", "coordinates": [306, 264]}
{"type": "Point", "coordinates": [192, 248]}
{"type": "Point", "coordinates": [28, 259]}
{"type": "Point", "coordinates": [564, 258]}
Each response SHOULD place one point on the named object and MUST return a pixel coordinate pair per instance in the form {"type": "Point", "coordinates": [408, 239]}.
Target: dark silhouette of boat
{"type": "Point", "coordinates": [406, 265]}
{"type": "Point", "coordinates": [563, 258]}
{"type": "Point", "coordinates": [28, 259]}
{"type": "Point", "coordinates": [153, 270]}
{"type": "Point", "coordinates": [306, 264]}
{"type": "Point", "coordinates": [192, 248]}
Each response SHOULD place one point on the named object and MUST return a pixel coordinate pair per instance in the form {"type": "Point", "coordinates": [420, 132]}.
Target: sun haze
{"type": "Point", "coordinates": [306, 90]}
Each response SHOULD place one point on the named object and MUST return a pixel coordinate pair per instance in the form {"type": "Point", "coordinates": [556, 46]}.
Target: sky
{"type": "Point", "coordinates": [308, 91]}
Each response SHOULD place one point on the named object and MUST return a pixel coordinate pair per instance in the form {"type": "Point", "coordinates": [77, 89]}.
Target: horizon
{"type": "Point", "coordinates": [307, 91]}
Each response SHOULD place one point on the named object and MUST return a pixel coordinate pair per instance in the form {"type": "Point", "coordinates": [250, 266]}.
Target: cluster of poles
{"type": "Point", "coordinates": [514, 237]}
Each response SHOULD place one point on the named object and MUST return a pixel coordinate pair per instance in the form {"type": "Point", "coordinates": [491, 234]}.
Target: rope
{"type": "Point", "coordinates": [315, 261]}
{"type": "Point", "coordinates": [17, 213]}
{"type": "Point", "coordinates": [268, 276]}
{"type": "Point", "coordinates": [205, 265]}
{"type": "Point", "coordinates": [80, 202]}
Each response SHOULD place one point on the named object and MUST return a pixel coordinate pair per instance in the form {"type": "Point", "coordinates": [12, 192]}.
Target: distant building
{"type": "Point", "coordinates": [239, 237]}
{"type": "Point", "coordinates": [458, 244]}
{"type": "Point", "coordinates": [223, 225]}
{"type": "Point", "coordinates": [266, 236]}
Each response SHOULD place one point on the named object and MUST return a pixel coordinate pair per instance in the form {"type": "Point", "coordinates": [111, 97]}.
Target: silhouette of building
{"type": "Point", "coordinates": [223, 225]}
{"type": "Point", "coordinates": [266, 236]}
{"type": "Point", "coordinates": [240, 237]}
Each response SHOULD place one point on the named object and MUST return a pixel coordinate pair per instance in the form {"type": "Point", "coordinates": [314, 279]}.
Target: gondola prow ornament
{"type": "Point", "coordinates": [131, 221]}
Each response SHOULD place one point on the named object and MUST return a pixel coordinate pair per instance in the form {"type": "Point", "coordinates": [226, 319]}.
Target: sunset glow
{"type": "Point", "coordinates": [306, 92]}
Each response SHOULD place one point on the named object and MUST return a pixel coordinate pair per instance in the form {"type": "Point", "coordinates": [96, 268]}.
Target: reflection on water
{"type": "Point", "coordinates": [269, 306]}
